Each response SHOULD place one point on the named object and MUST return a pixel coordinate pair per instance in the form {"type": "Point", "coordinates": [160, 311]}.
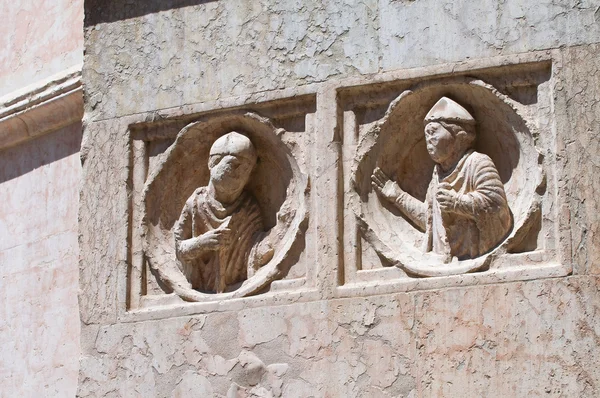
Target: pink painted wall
{"type": "Point", "coordinates": [39, 319]}
{"type": "Point", "coordinates": [38, 38]}
{"type": "Point", "coordinates": [39, 198]}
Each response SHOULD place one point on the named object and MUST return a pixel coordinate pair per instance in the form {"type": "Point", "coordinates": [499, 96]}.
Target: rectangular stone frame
{"type": "Point", "coordinates": [111, 265]}
{"type": "Point", "coordinates": [531, 72]}
{"type": "Point", "coordinates": [149, 140]}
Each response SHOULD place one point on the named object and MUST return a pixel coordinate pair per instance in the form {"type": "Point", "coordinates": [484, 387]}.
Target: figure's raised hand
{"type": "Point", "coordinates": [213, 240]}
{"type": "Point", "coordinates": [446, 197]}
{"type": "Point", "coordinates": [385, 187]}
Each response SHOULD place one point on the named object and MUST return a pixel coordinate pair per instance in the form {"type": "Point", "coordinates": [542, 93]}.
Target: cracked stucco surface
{"type": "Point", "coordinates": [533, 338]}
{"type": "Point", "coordinates": [579, 151]}
{"type": "Point", "coordinates": [221, 49]}
{"type": "Point", "coordinates": [520, 339]}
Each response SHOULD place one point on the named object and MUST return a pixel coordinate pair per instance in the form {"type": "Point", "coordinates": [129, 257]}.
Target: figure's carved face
{"type": "Point", "coordinates": [441, 143]}
{"type": "Point", "coordinates": [229, 174]}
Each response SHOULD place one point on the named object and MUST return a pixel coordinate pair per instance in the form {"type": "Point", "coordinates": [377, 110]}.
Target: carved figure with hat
{"type": "Point", "coordinates": [465, 213]}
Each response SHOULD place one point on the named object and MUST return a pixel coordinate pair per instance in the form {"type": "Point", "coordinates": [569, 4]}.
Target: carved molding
{"type": "Point", "coordinates": [278, 184]}
{"type": "Point", "coordinates": [41, 108]}
{"type": "Point", "coordinates": [351, 243]}
{"type": "Point", "coordinates": [396, 141]}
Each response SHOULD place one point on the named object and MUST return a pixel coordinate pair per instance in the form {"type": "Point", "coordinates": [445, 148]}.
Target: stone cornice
{"type": "Point", "coordinates": [41, 108]}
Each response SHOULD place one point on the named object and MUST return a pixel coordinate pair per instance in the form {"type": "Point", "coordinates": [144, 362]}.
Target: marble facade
{"type": "Point", "coordinates": [325, 199]}
{"type": "Point", "coordinates": [349, 303]}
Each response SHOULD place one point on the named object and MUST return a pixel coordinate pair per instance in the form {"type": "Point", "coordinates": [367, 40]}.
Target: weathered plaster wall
{"type": "Point", "coordinates": [208, 50]}
{"type": "Point", "coordinates": [516, 340]}
{"type": "Point", "coordinates": [155, 63]}
{"type": "Point", "coordinates": [38, 39]}
{"type": "Point", "coordinates": [39, 327]}
{"type": "Point", "coordinates": [579, 152]}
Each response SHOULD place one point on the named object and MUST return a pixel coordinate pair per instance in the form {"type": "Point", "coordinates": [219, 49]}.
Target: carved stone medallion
{"type": "Point", "coordinates": [442, 189]}
{"type": "Point", "coordinates": [223, 208]}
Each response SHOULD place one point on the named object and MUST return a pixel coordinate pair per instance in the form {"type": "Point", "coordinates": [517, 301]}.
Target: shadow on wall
{"type": "Point", "coordinates": [103, 11]}
{"type": "Point", "coordinates": [24, 158]}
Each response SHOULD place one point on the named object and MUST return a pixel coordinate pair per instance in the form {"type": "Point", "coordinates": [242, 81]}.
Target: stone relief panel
{"type": "Point", "coordinates": [448, 180]}
{"type": "Point", "coordinates": [222, 212]}
{"type": "Point", "coordinates": [442, 177]}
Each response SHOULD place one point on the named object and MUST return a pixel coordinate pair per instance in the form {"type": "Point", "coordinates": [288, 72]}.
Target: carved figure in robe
{"type": "Point", "coordinates": [218, 237]}
{"type": "Point", "coordinates": [465, 213]}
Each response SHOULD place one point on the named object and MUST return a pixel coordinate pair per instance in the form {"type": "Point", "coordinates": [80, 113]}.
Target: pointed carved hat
{"type": "Point", "coordinates": [447, 110]}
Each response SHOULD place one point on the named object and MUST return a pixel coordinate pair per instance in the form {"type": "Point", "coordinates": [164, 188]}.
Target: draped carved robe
{"type": "Point", "coordinates": [480, 219]}
{"type": "Point", "coordinates": [215, 270]}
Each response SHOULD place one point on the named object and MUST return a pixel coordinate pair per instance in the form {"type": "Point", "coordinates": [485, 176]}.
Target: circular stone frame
{"type": "Point", "coordinates": [395, 143]}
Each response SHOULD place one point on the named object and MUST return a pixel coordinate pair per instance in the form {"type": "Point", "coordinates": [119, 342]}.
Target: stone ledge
{"type": "Point", "coordinates": [41, 108]}
{"type": "Point", "coordinates": [168, 306]}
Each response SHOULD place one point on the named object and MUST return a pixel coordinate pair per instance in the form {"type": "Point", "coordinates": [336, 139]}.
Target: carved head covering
{"type": "Point", "coordinates": [235, 144]}
{"type": "Point", "coordinates": [447, 110]}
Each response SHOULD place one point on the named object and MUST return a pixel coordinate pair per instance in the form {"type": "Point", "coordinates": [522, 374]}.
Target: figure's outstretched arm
{"type": "Point", "coordinates": [411, 207]}
{"type": "Point", "coordinates": [182, 232]}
